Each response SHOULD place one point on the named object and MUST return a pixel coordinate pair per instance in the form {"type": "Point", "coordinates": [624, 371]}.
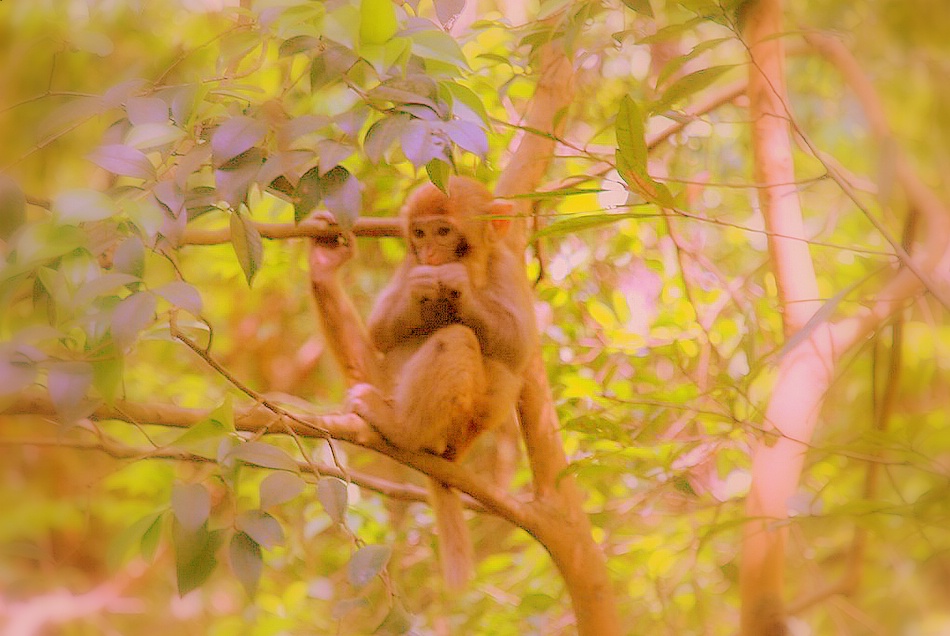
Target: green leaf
{"type": "Point", "coordinates": [331, 65]}
{"type": "Point", "coordinates": [298, 44]}
{"type": "Point", "coordinates": [397, 621]}
{"type": "Point", "coordinates": [469, 99]}
{"type": "Point", "coordinates": [247, 243]}
{"type": "Point", "coordinates": [333, 497]}
{"type": "Point", "coordinates": [631, 140]}
{"type": "Point", "coordinates": [131, 536]}
{"type": "Point", "coordinates": [129, 257]}
{"type": "Point", "coordinates": [262, 527]}
{"type": "Point", "coordinates": [107, 372]}
{"type": "Point", "coordinates": [195, 555]}
{"type": "Point", "coordinates": [438, 45]}
{"type": "Point", "coordinates": [265, 455]}
{"type": "Point", "coordinates": [247, 562]}
{"type": "Point", "coordinates": [78, 206]}
{"type": "Point", "coordinates": [367, 563]}
{"type": "Point", "coordinates": [677, 62]}
{"type": "Point", "coordinates": [12, 207]}
{"type": "Point", "coordinates": [202, 438]}
{"type": "Point", "coordinates": [191, 504]}
{"type": "Point", "coordinates": [339, 191]}
{"type": "Point", "coordinates": [578, 223]}
{"type": "Point", "coordinates": [686, 86]}
{"type": "Point", "coordinates": [280, 487]}
{"type": "Point", "coordinates": [377, 21]}
{"type": "Point", "coordinates": [640, 6]}
{"type": "Point", "coordinates": [381, 136]}
{"type": "Point", "coordinates": [439, 173]}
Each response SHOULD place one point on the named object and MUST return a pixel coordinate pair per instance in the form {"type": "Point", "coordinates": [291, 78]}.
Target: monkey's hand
{"type": "Point", "coordinates": [454, 283]}
{"type": "Point", "coordinates": [424, 283]}
{"type": "Point", "coordinates": [369, 403]}
{"type": "Point", "coordinates": [327, 255]}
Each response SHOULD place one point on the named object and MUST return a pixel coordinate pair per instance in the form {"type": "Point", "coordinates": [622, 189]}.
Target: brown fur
{"type": "Point", "coordinates": [456, 328]}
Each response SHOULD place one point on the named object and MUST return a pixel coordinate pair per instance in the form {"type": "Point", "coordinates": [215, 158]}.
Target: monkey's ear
{"type": "Point", "coordinates": [500, 207]}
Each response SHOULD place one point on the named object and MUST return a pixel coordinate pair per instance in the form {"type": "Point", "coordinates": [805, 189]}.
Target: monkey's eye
{"type": "Point", "coordinates": [443, 230]}
{"type": "Point", "coordinates": [418, 233]}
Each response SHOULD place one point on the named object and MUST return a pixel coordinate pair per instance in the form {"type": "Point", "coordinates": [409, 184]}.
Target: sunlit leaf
{"type": "Point", "coordinates": [377, 21]}
{"type": "Point", "coordinates": [106, 283]}
{"type": "Point", "coordinates": [368, 562]}
{"type": "Point", "coordinates": [123, 160]}
{"type": "Point", "coordinates": [191, 504]}
{"type": "Point", "coordinates": [466, 97]}
{"type": "Point", "coordinates": [468, 136]}
{"type": "Point", "coordinates": [332, 495]}
{"type": "Point", "coordinates": [280, 487]}
{"type": "Point", "coordinates": [265, 455]}
{"type": "Point", "coordinates": [181, 294]}
{"type": "Point", "coordinates": [448, 11]}
{"type": "Point", "coordinates": [78, 206]}
{"type": "Point", "coordinates": [131, 316]}
{"type": "Point", "coordinates": [236, 136]}
{"type": "Point", "coordinates": [155, 135]}
{"type": "Point", "coordinates": [68, 383]}
{"type": "Point", "coordinates": [438, 45]}
{"type": "Point", "coordinates": [262, 527]}
{"type": "Point", "coordinates": [332, 153]}
{"type": "Point", "coordinates": [247, 243]}
{"type": "Point", "coordinates": [247, 562]}
{"type": "Point", "coordinates": [147, 110]}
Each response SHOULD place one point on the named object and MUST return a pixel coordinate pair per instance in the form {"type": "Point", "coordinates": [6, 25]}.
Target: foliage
{"type": "Point", "coordinates": [131, 126]}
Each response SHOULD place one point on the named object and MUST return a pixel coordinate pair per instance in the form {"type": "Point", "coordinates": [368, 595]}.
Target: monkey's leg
{"type": "Point", "coordinates": [493, 406]}
{"type": "Point", "coordinates": [438, 389]}
{"type": "Point", "coordinates": [436, 395]}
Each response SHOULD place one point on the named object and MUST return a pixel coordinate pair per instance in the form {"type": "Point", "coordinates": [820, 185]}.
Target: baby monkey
{"type": "Point", "coordinates": [456, 328]}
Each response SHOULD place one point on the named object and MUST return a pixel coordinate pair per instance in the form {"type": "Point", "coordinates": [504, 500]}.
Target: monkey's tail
{"type": "Point", "coordinates": [455, 545]}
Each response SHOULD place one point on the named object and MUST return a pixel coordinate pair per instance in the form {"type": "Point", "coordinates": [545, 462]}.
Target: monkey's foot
{"type": "Point", "coordinates": [369, 403]}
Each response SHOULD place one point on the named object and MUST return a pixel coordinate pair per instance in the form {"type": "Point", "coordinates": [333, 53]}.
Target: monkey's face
{"type": "Point", "coordinates": [437, 240]}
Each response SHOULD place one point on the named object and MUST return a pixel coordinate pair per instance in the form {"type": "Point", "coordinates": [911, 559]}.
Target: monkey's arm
{"type": "Point", "coordinates": [501, 314]}
{"type": "Point", "coordinates": [341, 323]}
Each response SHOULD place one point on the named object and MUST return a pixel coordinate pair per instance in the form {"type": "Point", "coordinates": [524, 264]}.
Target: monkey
{"type": "Point", "coordinates": [456, 328]}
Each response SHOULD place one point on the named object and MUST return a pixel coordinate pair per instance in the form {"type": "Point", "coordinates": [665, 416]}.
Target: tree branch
{"type": "Point", "coordinates": [343, 427]}
{"type": "Point", "coordinates": [367, 226]}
